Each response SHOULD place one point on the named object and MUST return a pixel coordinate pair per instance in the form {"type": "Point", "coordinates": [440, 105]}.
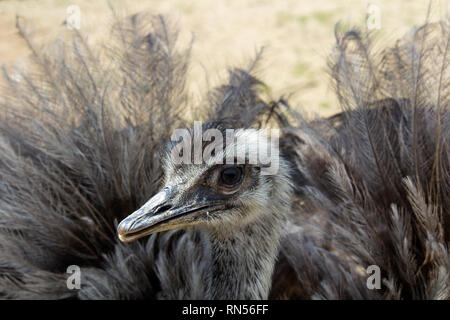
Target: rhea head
{"type": "Point", "coordinates": [231, 187]}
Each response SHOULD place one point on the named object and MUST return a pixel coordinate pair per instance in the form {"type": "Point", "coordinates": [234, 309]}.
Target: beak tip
{"type": "Point", "coordinates": [123, 227]}
{"type": "Point", "coordinates": [120, 227]}
{"type": "Point", "coordinates": [122, 238]}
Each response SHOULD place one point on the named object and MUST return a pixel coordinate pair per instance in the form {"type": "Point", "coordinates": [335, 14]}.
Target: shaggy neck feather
{"type": "Point", "coordinates": [243, 261]}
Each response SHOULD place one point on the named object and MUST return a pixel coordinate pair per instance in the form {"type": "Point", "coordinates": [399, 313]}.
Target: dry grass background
{"type": "Point", "coordinates": [297, 35]}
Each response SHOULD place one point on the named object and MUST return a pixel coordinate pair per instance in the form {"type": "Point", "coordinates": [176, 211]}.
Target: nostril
{"type": "Point", "coordinates": [163, 208]}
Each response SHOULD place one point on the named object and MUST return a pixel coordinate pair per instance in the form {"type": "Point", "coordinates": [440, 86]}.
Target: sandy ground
{"type": "Point", "coordinates": [297, 35]}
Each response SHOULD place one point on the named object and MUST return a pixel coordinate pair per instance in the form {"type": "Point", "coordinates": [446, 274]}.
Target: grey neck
{"type": "Point", "coordinates": [243, 261]}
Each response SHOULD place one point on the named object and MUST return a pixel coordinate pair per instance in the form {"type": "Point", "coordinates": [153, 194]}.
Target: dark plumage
{"type": "Point", "coordinates": [81, 144]}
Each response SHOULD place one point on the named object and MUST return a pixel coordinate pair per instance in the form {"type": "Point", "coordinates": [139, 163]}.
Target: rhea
{"type": "Point", "coordinates": [80, 147]}
{"type": "Point", "coordinates": [240, 206]}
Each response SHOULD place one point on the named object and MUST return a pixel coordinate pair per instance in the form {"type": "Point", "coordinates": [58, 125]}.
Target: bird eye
{"type": "Point", "coordinates": [231, 176]}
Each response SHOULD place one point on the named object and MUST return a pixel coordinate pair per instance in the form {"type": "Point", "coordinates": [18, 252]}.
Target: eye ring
{"type": "Point", "coordinates": [231, 176]}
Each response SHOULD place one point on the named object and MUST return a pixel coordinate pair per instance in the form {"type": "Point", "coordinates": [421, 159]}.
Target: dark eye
{"type": "Point", "coordinates": [231, 176]}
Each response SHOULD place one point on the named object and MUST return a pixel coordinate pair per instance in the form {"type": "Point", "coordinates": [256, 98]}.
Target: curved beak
{"type": "Point", "coordinates": [162, 213]}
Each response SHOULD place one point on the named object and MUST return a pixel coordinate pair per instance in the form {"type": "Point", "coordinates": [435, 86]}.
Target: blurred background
{"type": "Point", "coordinates": [297, 35]}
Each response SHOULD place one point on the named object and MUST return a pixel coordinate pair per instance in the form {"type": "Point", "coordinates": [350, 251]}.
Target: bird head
{"type": "Point", "coordinates": [222, 182]}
